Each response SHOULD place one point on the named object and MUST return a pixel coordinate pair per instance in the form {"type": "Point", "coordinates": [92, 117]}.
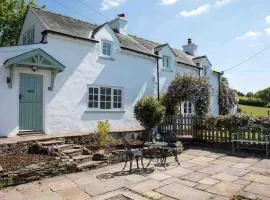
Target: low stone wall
{"type": "Point", "coordinates": [89, 140]}
{"type": "Point", "coordinates": [36, 172]}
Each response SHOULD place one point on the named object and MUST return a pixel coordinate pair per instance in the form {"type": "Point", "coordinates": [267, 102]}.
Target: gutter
{"type": "Point", "coordinates": [188, 65]}
{"type": "Point", "coordinates": [140, 52]}
{"type": "Point", "coordinates": [44, 33]}
{"type": "Point", "coordinates": [158, 95]}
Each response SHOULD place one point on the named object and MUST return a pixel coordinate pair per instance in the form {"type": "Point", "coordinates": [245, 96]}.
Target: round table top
{"type": "Point", "coordinates": [156, 144]}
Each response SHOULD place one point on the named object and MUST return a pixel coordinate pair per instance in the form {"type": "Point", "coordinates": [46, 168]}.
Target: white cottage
{"type": "Point", "coordinates": [65, 75]}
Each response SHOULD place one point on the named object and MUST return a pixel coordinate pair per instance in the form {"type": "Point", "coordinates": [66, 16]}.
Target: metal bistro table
{"type": "Point", "coordinates": [161, 151]}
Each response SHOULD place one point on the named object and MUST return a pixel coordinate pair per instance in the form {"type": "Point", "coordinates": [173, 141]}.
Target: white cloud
{"type": "Point", "coordinates": [267, 31]}
{"type": "Point", "coordinates": [267, 19]}
{"type": "Point", "coordinates": [108, 4]}
{"type": "Point", "coordinates": [222, 2]}
{"type": "Point", "coordinates": [198, 11]}
{"type": "Point", "coordinates": [250, 35]}
{"type": "Point", "coordinates": [168, 2]}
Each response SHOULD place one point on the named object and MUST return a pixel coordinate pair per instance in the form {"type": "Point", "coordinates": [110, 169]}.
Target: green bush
{"type": "Point", "coordinates": [149, 112]}
{"type": "Point", "coordinates": [103, 129]}
{"type": "Point", "coordinates": [267, 105]}
{"type": "Point", "coordinates": [251, 101]}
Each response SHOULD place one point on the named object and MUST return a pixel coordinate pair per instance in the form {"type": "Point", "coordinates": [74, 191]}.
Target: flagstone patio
{"type": "Point", "coordinates": [203, 175]}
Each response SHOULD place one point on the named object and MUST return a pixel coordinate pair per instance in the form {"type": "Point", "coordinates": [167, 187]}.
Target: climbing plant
{"type": "Point", "coordinates": [228, 99]}
{"type": "Point", "coordinates": [189, 88]}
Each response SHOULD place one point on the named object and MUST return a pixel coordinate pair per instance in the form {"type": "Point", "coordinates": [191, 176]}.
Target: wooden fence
{"type": "Point", "coordinates": [196, 128]}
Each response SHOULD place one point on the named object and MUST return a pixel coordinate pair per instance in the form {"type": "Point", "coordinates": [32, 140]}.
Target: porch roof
{"type": "Point", "coordinates": [38, 58]}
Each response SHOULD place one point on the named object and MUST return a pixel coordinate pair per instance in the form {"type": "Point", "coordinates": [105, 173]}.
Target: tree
{"type": "Point", "coordinates": [249, 94]}
{"type": "Point", "coordinates": [224, 80]}
{"type": "Point", "coordinates": [149, 112]}
{"type": "Point", "coordinates": [263, 94]}
{"type": "Point", "coordinates": [11, 18]}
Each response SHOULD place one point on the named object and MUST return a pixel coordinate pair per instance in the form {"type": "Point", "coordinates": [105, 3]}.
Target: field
{"type": "Point", "coordinates": [256, 111]}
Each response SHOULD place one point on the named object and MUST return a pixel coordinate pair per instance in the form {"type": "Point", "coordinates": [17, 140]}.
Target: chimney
{"type": "Point", "coordinates": [119, 24]}
{"type": "Point", "coordinates": [190, 48]}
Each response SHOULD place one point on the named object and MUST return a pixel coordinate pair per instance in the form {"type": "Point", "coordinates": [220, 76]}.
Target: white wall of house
{"type": "Point", "coordinates": [31, 21]}
{"type": "Point", "coordinates": [65, 109]}
{"type": "Point", "coordinates": [213, 78]}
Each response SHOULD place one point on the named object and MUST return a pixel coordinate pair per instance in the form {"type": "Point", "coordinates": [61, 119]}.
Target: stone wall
{"type": "Point", "coordinates": [36, 172]}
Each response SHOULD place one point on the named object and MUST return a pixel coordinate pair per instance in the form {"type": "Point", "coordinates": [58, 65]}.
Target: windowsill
{"type": "Point", "coordinates": [106, 57]}
{"type": "Point", "coordinates": [105, 111]}
{"type": "Point", "coordinates": [166, 70]}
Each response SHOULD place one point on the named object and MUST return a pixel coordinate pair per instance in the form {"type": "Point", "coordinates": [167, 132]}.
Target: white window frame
{"type": "Point", "coordinates": [166, 62]}
{"type": "Point", "coordinates": [189, 107]}
{"type": "Point", "coordinates": [112, 109]}
{"type": "Point", "coordinates": [111, 50]}
{"type": "Point", "coordinates": [29, 36]}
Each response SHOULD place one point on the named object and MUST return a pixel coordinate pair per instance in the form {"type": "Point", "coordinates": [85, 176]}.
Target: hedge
{"type": "Point", "coordinates": [250, 101]}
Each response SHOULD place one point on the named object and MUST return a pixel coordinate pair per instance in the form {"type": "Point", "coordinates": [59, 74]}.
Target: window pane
{"type": "Point", "coordinates": [90, 90]}
{"type": "Point", "coordinates": [96, 90]}
{"type": "Point", "coordinates": [102, 98]}
{"type": "Point", "coordinates": [119, 105]}
{"type": "Point", "coordinates": [114, 105]}
{"type": "Point", "coordinates": [102, 105]}
{"type": "Point", "coordinates": [119, 92]}
{"type": "Point", "coordinates": [108, 91]}
{"type": "Point", "coordinates": [108, 98]}
{"type": "Point", "coordinates": [115, 92]}
{"type": "Point", "coordinates": [96, 97]}
{"type": "Point", "coordinates": [102, 90]}
{"type": "Point", "coordinates": [95, 104]}
{"type": "Point", "coordinates": [90, 105]}
{"type": "Point", "coordinates": [91, 97]}
{"type": "Point", "coordinates": [108, 105]}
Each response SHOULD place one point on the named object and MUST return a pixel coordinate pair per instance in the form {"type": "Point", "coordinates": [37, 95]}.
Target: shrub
{"type": "Point", "coordinates": [267, 105]}
{"type": "Point", "coordinates": [193, 89]}
{"type": "Point", "coordinates": [251, 101]}
{"type": "Point", "coordinates": [228, 99]}
{"type": "Point", "coordinates": [149, 112]}
{"type": "Point", "coordinates": [103, 129]}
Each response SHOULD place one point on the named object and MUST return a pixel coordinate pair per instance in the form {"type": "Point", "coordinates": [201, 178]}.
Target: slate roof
{"type": "Point", "coordinates": [73, 27]}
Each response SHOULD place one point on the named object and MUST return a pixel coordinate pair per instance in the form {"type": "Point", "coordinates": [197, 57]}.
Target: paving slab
{"type": "Point", "coordinates": [213, 169]}
{"type": "Point", "coordinates": [195, 177]}
{"type": "Point", "coordinates": [153, 195]}
{"type": "Point", "coordinates": [236, 171]}
{"type": "Point", "coordinates": [225, 177]}
{"type": "Point", "coordinates": [159, 176]}
{"type": "Point", "coordinates": [178, 191]}
{"type": "Point", "coordinates": [11, 194]}
{"type": "Point", "coordinates": [258, 188]}
{"type": "Point", "coordinates": [116, 195]}
{"type": "Point", "coordinates": [201, 160]}
{"type": "Point", "coordinates": [180, 181]}
{"type": "Point", "coordinates": [242, 182]}
{"type": "Point", "coordinates": [48, 195]}
{"type": "Point", "coordinates": [73, 194]}
{"type": "Point", "coordinates": [257, 178]}
{"type": "Point", "coordinates": [252, 195]}
{"type": "Point", "coordinates": [61, 185]}
{"type": "Point", "coordinates": [231, 159]}
{"type": "Point", "coordinates": [224, 188]}
{"type": "Point", "coordinates": [135, 178]}
{"type": "Point", "coordinates": [209, 181]}
{"type": "Point", "coordinates": [178, 171]}
{"type": "Point", "coordinates": [98, 187]}
{"type": "Point", "coordinates": [241, 165]}
{"type": "Point", "coordinates": [146, 186]}
{"type": "Point", "coordinates": [223, 163]}
{"type": "Point", "coordinates": [202, 186]}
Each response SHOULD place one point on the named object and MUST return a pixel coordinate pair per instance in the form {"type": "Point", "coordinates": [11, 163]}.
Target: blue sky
{"type": "Point", "coordinates": [227, 31]}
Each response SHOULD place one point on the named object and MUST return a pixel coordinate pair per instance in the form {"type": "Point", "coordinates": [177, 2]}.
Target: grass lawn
{"type": "Point", "coordinates": [256, 111]}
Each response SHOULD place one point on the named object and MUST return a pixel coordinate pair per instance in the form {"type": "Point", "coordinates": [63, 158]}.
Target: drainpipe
{"type": "Point", "coordinates": [219, 91]}
{"type": "Point", "coordinates": [158, 78]}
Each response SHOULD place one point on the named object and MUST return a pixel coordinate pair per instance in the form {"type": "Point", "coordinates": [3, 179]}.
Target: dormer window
{"type": "Point", "coordinates": [166, 62]}
{"type": "Point", "coordinates": [107, 48]}
{"type": "Point", "coordinates": [29, 36]}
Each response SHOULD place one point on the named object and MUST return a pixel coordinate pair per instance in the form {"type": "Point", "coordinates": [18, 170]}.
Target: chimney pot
{"type": "Point", "coordinates": [121, 15]}
{"type": "Point", "coordinates": [189, 41]}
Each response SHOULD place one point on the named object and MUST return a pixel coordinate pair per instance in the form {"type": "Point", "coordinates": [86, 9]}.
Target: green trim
{"type": "Point", "coordinates": [38, 58]}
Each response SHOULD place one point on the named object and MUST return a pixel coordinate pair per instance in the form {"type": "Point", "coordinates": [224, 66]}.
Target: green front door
{"type": "Point", "coordinates": [31, 109]}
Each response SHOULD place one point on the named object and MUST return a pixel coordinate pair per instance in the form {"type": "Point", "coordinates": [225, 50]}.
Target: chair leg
{"type": "Point", "coordinates": [176, 157]}
{"type": "Point", "coordinates": [137, 161]}
{"type": "Point", "coordinates": [142, 163]}
{"type": "Point", "coordinates": [130, 167]}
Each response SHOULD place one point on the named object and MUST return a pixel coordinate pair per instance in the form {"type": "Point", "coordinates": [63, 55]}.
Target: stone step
{"type": "Point", "coordinates": [51, 142]}
{"type": "Point", "coordinates": [73, 152]}
{"type": "Point", "coordinates": [65, 146]}
{"type": "Point", "coordinates": [90, 165]}
{"type": "Point", "coordinates": [82, 158]}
